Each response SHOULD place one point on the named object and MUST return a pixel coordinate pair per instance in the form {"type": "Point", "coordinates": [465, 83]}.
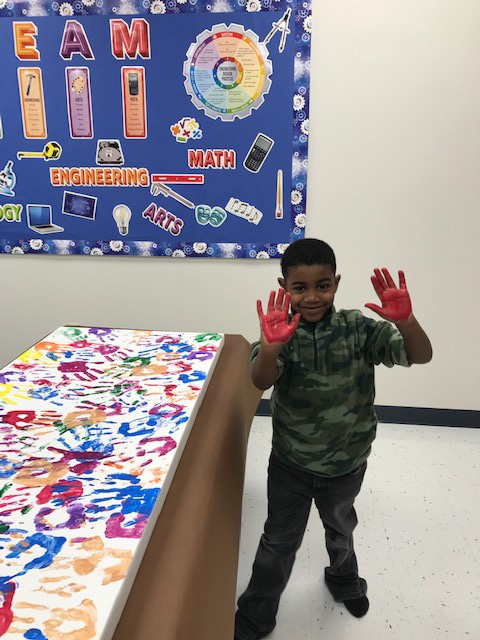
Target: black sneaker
{"type": "Point", "coordinates": [358, 607]}
{"type": "Point", "coordinates": [240, 635]}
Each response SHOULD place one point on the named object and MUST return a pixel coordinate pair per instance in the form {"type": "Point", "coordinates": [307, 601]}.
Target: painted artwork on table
{"type": "Point", "coordinates": [92, 426]}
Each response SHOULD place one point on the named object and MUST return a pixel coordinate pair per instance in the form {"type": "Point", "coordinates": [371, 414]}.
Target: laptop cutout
{"type": "Point", "coordinates": [39, 217]}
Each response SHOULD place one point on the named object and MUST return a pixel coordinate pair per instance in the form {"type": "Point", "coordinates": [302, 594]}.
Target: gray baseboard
{"type": "Point", "coordinates": [412, 415]}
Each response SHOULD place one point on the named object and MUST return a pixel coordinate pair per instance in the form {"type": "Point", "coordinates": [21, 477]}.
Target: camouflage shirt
{"type": "Point", "coordinates": [322, 402]}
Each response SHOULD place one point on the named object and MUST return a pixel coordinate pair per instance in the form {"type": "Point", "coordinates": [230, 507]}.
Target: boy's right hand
{"type": "Point", "coordinates": [274, 324]}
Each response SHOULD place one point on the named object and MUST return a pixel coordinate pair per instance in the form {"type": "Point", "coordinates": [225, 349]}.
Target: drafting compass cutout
{"type": "Point", "coordinates": [281, 25]}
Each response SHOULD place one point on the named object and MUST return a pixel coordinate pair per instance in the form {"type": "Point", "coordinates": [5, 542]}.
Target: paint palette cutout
{"type": "Point", "coordinates": [93, 425]}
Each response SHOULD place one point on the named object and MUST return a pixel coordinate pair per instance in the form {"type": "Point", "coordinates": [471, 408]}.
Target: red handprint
{"type": "Point", "coordinates": [274, 324]}
{"type": "Point", "coordinates": [396, 305]}
{"type": "Point", "coordinates": [81, 370]}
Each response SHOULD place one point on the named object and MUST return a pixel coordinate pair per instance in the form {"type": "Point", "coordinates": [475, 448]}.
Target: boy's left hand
{"type": "Point", "coordinates": [396, 306]}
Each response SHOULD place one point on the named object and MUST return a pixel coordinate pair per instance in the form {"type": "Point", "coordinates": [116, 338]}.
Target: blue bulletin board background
{"type": "Point", "coordinates": [209, 229]}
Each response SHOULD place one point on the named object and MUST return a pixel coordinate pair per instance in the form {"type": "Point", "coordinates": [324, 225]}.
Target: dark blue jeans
{"type": "Point", "coordinates": [290, 494]}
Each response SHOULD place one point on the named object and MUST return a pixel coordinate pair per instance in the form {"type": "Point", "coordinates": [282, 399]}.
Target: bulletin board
{"type": "Point", "coordinates": [155, 128]}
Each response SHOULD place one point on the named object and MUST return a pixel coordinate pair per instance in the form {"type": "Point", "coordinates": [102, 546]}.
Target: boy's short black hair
{"type": "Point", "coordinates": [308, 251]}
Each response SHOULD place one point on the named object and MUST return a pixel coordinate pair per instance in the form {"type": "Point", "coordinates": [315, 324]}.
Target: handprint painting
{"type": "Point", "coordinates": [92, 425]}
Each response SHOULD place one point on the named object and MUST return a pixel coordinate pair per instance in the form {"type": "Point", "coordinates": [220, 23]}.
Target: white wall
{"type": "Point", "coordinates": [394, 180]}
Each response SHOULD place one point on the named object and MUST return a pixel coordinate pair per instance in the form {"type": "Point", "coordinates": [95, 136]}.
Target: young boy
{"type": "Point", "coordinates": [321, 363]}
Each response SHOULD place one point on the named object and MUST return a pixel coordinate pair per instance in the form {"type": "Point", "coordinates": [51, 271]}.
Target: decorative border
{"type": "Point", "coordinates": [301, 22]}
{"type": "Point", "coordinates": [146, 249]}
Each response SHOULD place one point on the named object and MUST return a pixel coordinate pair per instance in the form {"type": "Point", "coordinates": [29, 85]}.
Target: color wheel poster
{"type": "Point", "coordinates": [154, 128]}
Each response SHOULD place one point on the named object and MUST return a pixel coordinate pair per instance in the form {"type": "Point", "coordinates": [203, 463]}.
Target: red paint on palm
{"type": "Point", "coordinates": [7, 591]}
{"type": "Point", "coordinates": [274, 324]}
{"type": "Point", "coordinates": [396, 304]}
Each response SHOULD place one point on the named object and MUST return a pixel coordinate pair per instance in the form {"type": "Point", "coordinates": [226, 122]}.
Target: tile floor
{"type": "Point", "coordinates": [417, 541]}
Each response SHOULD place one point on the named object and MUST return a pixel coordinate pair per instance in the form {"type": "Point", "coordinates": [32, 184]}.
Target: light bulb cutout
{"type": "Point", "coordinates": [122, 215]}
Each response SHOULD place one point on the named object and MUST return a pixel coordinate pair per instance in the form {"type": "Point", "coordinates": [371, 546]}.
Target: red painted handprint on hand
{"type": "Point", "coordinates": [274, 324]}
{"type": "Point", "coordinates": [396, 305]}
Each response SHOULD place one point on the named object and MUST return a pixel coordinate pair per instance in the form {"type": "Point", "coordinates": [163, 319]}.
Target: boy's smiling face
{"type": "Point", "coordinates": [312, 289]}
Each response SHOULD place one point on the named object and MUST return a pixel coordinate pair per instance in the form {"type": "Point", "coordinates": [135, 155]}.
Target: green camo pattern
{"type": "Point", "coordinates": [322, 402]}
